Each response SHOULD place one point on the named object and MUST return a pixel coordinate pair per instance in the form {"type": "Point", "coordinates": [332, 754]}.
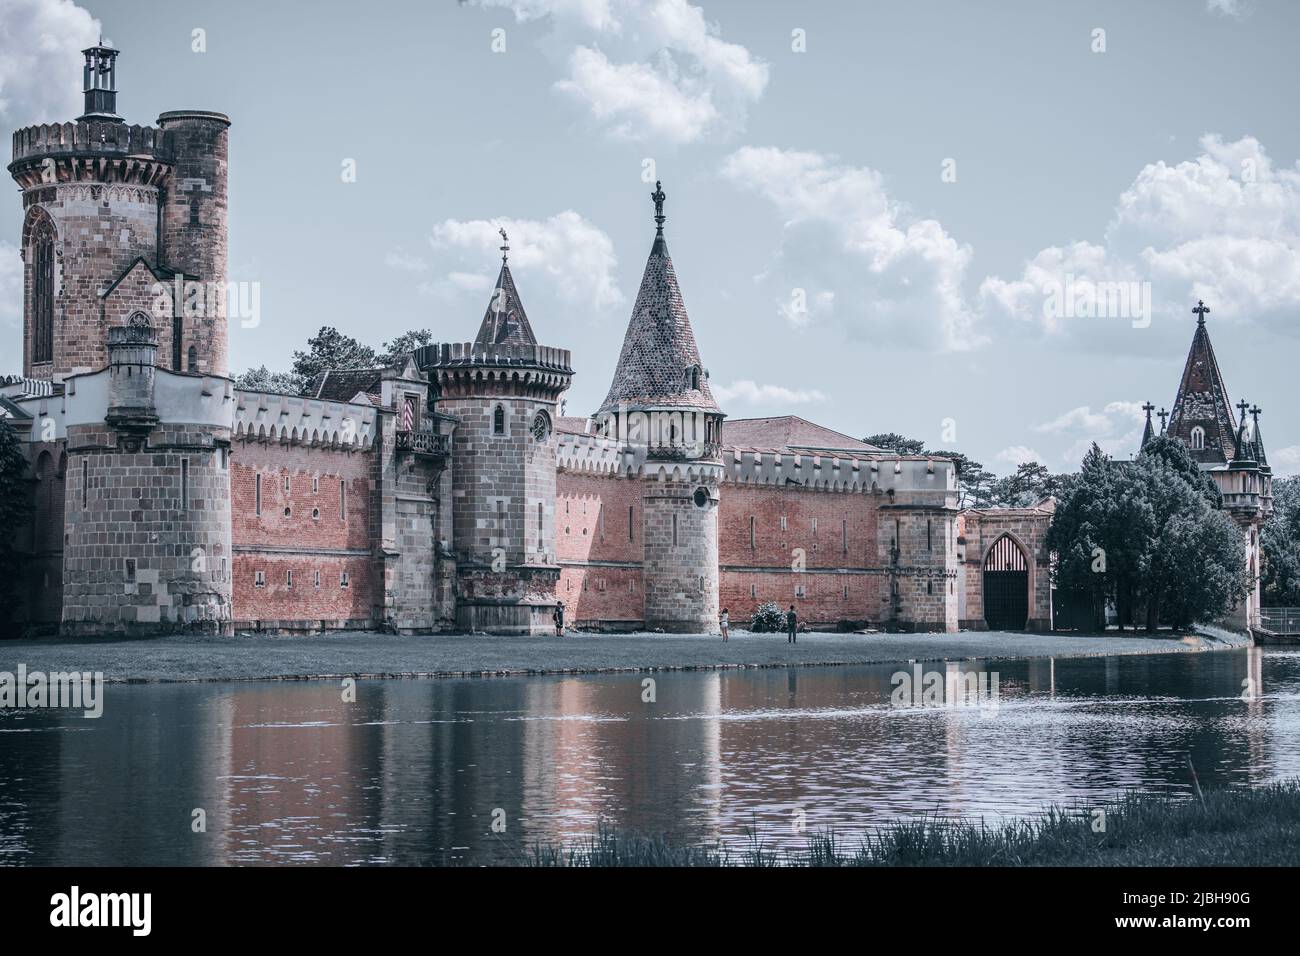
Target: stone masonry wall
{"type": "Point", "coordinates": [147, 552]}
{"type": "Point", "coordinates": [980, 531]}
{"type": "Point", "coordinates": [681, 557]}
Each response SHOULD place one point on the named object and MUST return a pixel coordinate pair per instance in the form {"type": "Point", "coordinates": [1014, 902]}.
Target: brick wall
{"type": "Point", "coordinates": [600, 580]}
{"type": "Point", "coordinates": [312, 536]}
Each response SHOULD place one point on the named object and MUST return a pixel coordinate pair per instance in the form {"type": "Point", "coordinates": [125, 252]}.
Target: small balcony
{"type": "Point", "coordinates": [424, 443]}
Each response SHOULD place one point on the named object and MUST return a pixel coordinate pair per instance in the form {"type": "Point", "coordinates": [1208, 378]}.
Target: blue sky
{"type": "Point", "coordinates": [868, 203]}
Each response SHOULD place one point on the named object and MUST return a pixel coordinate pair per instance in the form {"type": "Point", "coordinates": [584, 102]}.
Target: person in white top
{"type": "Point", "coordinates": [726, 624]}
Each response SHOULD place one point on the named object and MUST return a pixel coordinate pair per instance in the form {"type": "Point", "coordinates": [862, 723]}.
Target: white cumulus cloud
{"type": "Point", "coordinates": [648, 70]}
{"type": "Point", "coordinates": [1223, 227]}
{"type": "Point", "coordinates": [11, 290]}
{"type": "Point", "coordinates": [1018, 455]}
{"type": "Point", "coordinates": [750, 392]}
{"type": "Point", "coordinates": [40, 60]}
{"type": "Point", "coordinates": [852, 251]}
{"type": "Point", "coordinates": [566, 256]}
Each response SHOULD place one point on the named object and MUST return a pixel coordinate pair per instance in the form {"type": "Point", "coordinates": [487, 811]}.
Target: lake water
{"type": "Point", "coordinates": [415, 772]}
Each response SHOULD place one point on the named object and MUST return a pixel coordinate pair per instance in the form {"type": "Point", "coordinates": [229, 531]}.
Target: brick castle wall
{"type": "Point", "coordinates": [320, 524]}
{"type": "Point", "coordinates": [599, 542]}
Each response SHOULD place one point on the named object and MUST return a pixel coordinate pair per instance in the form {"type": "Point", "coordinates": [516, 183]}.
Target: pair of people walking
{"type": "Point", "coordinates": [791, 625]}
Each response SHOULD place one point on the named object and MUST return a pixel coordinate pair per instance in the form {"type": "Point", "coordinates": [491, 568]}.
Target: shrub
{"type": "Point", "coordinates": [768, 619]}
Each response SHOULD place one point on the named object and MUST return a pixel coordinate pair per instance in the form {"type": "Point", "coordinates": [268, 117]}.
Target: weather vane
{"type": "Point", "coordinates": [659, 197]}
{"type": "Point", "coordinates": [505, 244]}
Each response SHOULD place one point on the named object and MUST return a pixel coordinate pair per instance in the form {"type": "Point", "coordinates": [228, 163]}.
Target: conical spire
{"type": "Point", "coordinates": [659, 366]}
{"type": "Point", "coordinates": [1148, 432]}
{"type": "Point", "coordinates": [505, 322]}
{"type": "Point", "coordinates": [1202, 402]}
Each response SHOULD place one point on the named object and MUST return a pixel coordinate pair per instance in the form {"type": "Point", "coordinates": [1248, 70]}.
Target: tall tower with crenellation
{"type": "Point", "coordinates": [117, 219]}
{"type": "Point", "coordinates": [124, 259]}
{"type": "Point", "coordinates": [501, 392]}
{"type": "Point", "coordinates": [660, 408]}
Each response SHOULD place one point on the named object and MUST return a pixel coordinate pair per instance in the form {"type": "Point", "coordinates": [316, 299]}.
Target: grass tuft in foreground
{"type": "Point", "coordinates": [1239, 827]}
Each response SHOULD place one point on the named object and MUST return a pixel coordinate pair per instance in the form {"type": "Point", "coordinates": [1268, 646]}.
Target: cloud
{"type": "Point", "coordinates": [1224, 227]}
{"type": "Point", "coordinates": [565, 256]}
{"type": "Point", "coordinates": [1116, 428]}
{"type": "Point", "coordinates": [1227, 8]}
{"type": "Point", "coordinates": [40, 60]}
{"type": "Point", "coordinates": [1285, 461]}
{"type": "Point", "coordinates": [750, 392]}
{"type": "Point", "coordinates": [11, 289]}
{"type": "Point", "coordinates": [1018, 455]}
{"type": "Point", "coordinates": [648, 70]}
{"type": "Point", "coordinates": [851, 252]}
{"type": "Point", "coordinates": [405, 262]}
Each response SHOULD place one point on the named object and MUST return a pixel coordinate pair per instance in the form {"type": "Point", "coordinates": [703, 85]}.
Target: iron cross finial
{"type": "Point", "coordinates": [659, 197]}
{"type": "Point", "coordinates": [1201, 311]}
{"type": "Point", "coordinates": [1162, 415]}
{"type": "Point", "coordinates": [1243, 405]}
{"type": "Point", "coordinates": [1148, 408]}
{"type": "Point", "coordinates": [505, 244]}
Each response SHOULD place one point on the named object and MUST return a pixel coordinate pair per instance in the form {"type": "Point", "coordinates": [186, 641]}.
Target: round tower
{"type": "Point", "coordinates": [100, 200]}
{"type": "Point", "coordinates": [193, 237]}
{"type": "Point", "coordinates": [147, 508]}
{"type": "Point", "coordinates": [502, 389]}
{"type": "Point", "coordinates": [660, 406]}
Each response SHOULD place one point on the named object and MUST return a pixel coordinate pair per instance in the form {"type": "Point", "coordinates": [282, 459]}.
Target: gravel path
{"type": "Point", "coordinates": [356, 654]}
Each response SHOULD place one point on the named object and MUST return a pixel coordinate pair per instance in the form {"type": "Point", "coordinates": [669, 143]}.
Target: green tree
{"type": "Point", "coordinates": [262, 379]}
{"type": "Point", "coordinates": [1029, 484]}
{"type": "Point", "coordinates": [404, 344]}
{"type": "Point", "coordinates": [892, 441]}
{"type": "Point", "coordinates": [1280, 546]}
{"type": "Point", "coordinates": [1145, 536]}
{"type": "Point", "coordinates": [331, 349]}
{"type": "Point", "coordinates": [15, 507]}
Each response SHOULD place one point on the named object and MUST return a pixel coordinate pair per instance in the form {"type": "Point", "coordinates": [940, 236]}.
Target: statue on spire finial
{"type": "Point", "coordinates": [659, 197]}
{"type": "Point", "coordinates": [1201, 311]}
{"type": "Point", "coordinates": [505, 245]}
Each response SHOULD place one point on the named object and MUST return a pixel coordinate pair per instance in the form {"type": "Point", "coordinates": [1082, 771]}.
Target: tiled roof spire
{"type": "Point", "coordinates": [1202, 402]}
{"type": "Point", "coordinates": [505, 322]}
{"type": "Point", "coordinates": [659, 366]}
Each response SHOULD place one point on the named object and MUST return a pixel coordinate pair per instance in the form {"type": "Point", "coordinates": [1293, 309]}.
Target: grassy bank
{"type": "Point", "coordinates": [1246, 827]}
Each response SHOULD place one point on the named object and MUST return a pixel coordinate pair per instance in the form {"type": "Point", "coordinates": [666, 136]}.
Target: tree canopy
{"type": "Point", "coordinates": [331, 349]}
{"type": "Point", "coordinates": [1146, 537]}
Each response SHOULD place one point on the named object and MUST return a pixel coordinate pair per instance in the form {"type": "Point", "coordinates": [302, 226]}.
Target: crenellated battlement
{"type": "Point", "coordinates": [878, 474]}
{"type": "Point", "coordinates": [267, 416]}
{"type": "Point", "coordinates": [92, 150]}
{"type": "Point", "coordinates": [459, 354]}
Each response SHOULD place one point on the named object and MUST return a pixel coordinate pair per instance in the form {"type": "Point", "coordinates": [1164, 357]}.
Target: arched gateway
{"type": "Point", "coordinates": [1006, 586]}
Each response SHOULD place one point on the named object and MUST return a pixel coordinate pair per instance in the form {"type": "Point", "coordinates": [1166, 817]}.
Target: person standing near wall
{"type": "Point", "coordinates": [791, 625]}
{"type": "Point", "coordinates": [725, 621]}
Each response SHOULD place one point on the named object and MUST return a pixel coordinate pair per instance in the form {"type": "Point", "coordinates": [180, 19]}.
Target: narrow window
{"type": "Point", "coordinates": [630, 535]}
{"type": "Point", "coordinates": [259, 579]}
{"type": "Point", "coordinates": [752, 529]}
{"type": "Point", "coordinates": [844, 535]}
{"type": "Point", "coordinates": [85, 480]}
{"type": "Point", "coordinates": [315, 581]}
{"type": "Point", "coordinates": [286, 484]}
{"type": "Point", "coordinates": [288, 579]}
{"type": "Point", "coordinates": [185, 484]}
{"type": "Point", "coordinates": [631, 587]}
{"type": "Point", "coordinates": [814, 525]}
{"type": "Point", "coordinates": [130, 569]}
{"type": "Point", "coordinates": [601, 519]}
{"type": "Point", "coordinates": [929, 541]}
{"type": "Point", "coordinates": [539, 526]}
{"type": "Point", "coordinates": [192, 360]}
{"type": "Point", "coordinates": [43, 294]}
{"type": "Point", "coordinates": [257, 494]}
{"type": "Point", "coordinates": [343, 501]}
{"type": "Point", "coordinates": [846, 592]}
{"type": "Point", "coordinates": [674, 530]}
{"type": "Point", "coordinates": [315, 485]}
{"type": "Point", "coordinates": [343, 579]}
{"type": "Point", "coordinates": [194, 213]}
{"type": "Point", "coordinates": [499, 421]}
{"type": "Point", "coordinates": [753, 590]}
{"type": "Point", "coordinates": [782, 522]}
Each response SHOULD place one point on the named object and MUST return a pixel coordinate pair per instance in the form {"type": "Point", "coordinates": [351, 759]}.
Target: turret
{"type": "Point", "coordinates": [662, 410]}
{"type": "Point", "coordinates": [502, 390]}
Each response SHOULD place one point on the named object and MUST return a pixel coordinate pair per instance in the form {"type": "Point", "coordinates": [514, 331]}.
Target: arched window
{"type": "Point", "coordinates": [41, 256]}
{"type": "Point", "coordinates": [499, 421]}
{"type": "Point", "coordinates": [1198, 438]}
{"type": "Point", "coordinates": [192, 360]}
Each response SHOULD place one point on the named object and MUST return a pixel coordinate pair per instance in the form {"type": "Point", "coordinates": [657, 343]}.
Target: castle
{"type": "Point", "coordinates": [446, 492]}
